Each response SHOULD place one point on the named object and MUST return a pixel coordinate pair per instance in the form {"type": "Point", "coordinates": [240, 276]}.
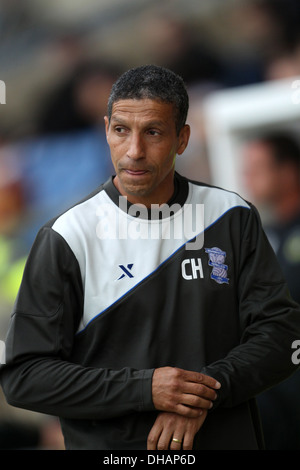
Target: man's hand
{"type": "Point", "coordinates": [183, 392]}
{"type": "Point", "coordinates": [170, 426]}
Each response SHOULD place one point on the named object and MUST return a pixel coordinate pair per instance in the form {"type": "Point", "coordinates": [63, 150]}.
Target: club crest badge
{"type": "Point", "coordinates": [217, 262]}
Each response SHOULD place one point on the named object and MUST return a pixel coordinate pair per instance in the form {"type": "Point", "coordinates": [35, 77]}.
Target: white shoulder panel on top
{"type": "Point", "coordinates": [116, 251]}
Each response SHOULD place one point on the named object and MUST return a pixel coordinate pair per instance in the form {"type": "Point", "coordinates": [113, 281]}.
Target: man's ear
{"type": "Point", "coordinates": [183, 139]}
{"type": "Point", "coordinates": [106, 122]}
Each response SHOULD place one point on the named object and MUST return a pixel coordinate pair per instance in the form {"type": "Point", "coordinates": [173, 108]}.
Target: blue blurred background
{"type": "Point", "coordinates": [59, 59]}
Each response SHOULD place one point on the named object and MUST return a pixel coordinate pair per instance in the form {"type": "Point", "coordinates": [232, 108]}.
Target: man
{"type": "Point", "coordinates": [272, 178]}
{"type": "Point", "coordinates": [130, 329]}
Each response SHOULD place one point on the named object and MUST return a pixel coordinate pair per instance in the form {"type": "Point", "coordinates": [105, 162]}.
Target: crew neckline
{"type": "Point", "coordinates": [177, 200]}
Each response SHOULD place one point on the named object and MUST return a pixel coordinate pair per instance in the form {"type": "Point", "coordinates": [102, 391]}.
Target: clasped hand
{"type": "Point", "coordinates": [183, 397]}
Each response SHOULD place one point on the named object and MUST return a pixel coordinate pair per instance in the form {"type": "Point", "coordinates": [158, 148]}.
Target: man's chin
{"type": "Point", "coordinates": [136, 191]}
{"type": "Point", "coordinates": [136, 187]}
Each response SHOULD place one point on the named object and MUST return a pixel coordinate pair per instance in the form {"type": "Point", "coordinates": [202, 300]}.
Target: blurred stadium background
{"type": "Point", "coordinates": [239, 58]}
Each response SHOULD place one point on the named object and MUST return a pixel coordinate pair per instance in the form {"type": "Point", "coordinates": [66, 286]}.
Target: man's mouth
{"type": "Point", "coordinates": [135, 172]}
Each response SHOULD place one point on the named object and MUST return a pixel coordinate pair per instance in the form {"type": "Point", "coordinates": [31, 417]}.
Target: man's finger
{"type": "Point", "coordinates": [154, 436]}
{"type": "Point", "coordinates": [188, 411]}
{"type": "Point", "coordinates": [188, 442]}
{"type": "Point", "coordinates": [176, 441]}
{"type": "Point", "coordinates": [164, 440]}
{"type": "Point", "coordinates": [193, 401]}
{"type": "Point", "coordinates": [199, 390]}
{"type": "Point", "coordinates": [199, 378]}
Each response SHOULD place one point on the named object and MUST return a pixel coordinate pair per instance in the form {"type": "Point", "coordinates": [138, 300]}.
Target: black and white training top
{"type": "Point", "coordinates": [112, 291]}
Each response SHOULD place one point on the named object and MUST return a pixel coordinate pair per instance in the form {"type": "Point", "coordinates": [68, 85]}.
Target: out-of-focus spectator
{"type": "Point", "coordinates": [272, 179]}
{"type": "Point", "coordinates": [39, 176]}
{"type": "Point", "coordinates": [80, 101]}
{"type": "Point", "coordinates": [12, 250]}
{"type": "Point", "coordinates": [281, 43]}
{"type": "Point", "coordinates": [173, 43]}
{"type": "Point", "coordinates": [20, 430]}
{"type": "Point", "coordinates": [197, 55]}
{"type": "Point", "coordinates": [59, 168]}
{"type": "Point", "coordinates": [261, 38]}
{"type": "Point", "coordinates": [70, 134]}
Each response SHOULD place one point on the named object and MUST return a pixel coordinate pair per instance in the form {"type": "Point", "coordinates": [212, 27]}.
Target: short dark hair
{"type": "Point", "coordinates": [285, 148]}
{"type": "Point", "coordinates": [152, 82]}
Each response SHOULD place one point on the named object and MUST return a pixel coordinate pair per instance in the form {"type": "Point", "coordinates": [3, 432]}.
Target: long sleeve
{"type": "Point", "coordinates": [269, 323]}
{"type": "Point", "coordinates": [38, 374]}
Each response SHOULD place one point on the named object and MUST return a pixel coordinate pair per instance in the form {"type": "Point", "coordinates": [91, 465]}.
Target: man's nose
{"type": "Point", "coordinates": [136, 148]}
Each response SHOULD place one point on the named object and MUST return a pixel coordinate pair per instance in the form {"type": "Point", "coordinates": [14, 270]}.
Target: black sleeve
{"type": "Point", "coordinates": [38, 374]}
{"type": "Point", "coordinates": [269, 323]}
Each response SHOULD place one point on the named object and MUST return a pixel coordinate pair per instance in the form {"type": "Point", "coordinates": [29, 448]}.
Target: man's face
{"type": "Point", "coordinates": [262, 176]}
{"type": "Point", "coordinates": [143, 144]}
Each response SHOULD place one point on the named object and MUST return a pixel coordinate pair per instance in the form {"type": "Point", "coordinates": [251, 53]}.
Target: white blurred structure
{"type": "Point", "coordinates": [232, 116]}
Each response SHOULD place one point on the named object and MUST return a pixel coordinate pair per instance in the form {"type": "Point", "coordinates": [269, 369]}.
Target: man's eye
{"type": "Point", "coordinates": [120, 130]}
{"type": "Point", "coordinates": [153, 132]}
